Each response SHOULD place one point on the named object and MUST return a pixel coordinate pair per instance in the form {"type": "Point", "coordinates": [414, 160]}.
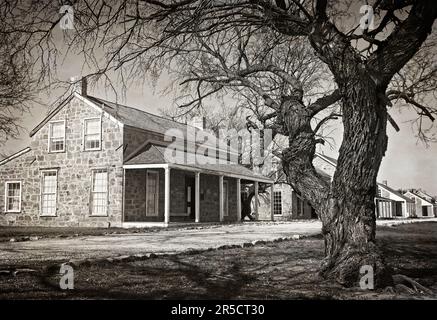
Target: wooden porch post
{"type": "Point", "coordinates": [272, 198]}
{"type": "Point", "coordinates": [238, 199]}
{"type": "Point", "coordinates": [221, 198]}
{"type": "Point", "coordinates": [123, 197]}
{"type": "Point", "coordinates": [197, 197]}
{"type": "Point", "coordinates": [256, 200]}
{"type": "Point", "coordinates": [167, 196]}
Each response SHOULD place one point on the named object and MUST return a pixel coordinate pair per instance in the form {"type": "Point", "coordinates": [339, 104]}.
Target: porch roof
{"type": "Point", "coordinates": [154, 155]}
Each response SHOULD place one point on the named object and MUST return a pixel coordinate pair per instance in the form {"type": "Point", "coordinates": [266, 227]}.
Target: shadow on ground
{"type": "Point", "coordinates": [282, 270]}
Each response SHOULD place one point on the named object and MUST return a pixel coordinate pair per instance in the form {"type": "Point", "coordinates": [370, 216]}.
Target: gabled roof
{"type": "Point", "coordinates": [137, 118]}
{"type": "Point", "coordinates": [134, 118]}
{"type": "Point", "coordinates": [423, 194]}
{"type": "Point", "coordinates": [14, 156]}
{"type": "Point", "coordinates": [51, 115]}
{"type": "Point", "coordinates": [156, 154]}
{"type": "Point", "coordinates": [391, 190]}
{"type": "Point", "coordinates": [421, 198]}
{"type": "Point", "coordinates": [143, 120]}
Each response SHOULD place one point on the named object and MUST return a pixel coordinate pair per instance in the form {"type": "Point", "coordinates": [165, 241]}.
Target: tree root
{"type": "Point", "coordinates": [404, 284]}
{"type": "Point", "coordinates": [345, 268]}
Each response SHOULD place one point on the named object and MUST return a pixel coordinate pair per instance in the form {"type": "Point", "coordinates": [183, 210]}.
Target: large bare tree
{"type": "Point", "coordinates": [247, 48]}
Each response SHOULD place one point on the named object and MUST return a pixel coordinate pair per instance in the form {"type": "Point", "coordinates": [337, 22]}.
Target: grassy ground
{"type": "Point", "coordinates": [281, 270]}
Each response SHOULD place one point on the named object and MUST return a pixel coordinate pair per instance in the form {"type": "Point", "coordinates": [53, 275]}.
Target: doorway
{"type": "Point", "coordinates": [424, 211]}
{"type": "Point", "coordinates": [190, 196]}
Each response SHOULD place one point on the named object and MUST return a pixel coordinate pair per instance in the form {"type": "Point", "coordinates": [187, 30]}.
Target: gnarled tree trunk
{"type": "Point", "coordinates": [346, 205]}
{"type": "Point", "coordinates": [349, 215]}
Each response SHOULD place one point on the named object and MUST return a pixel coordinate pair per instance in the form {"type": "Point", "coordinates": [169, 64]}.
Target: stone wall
{"type": "Point", "coordinates": [135, 197]}
{"type": "Point", "coordinates": [209, 198]}
{"type": "Point", "coordinates": [74, 168]}
{"type": "Point", "coordinates": [307, 209]}
{"type": "Point", "coordinates": [265, 206]}
{"type": "Point", "coordinates": [232, 200]}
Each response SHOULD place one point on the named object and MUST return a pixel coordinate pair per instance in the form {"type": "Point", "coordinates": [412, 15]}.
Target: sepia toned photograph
{"type": "Point", "coordinates": [239, 152]}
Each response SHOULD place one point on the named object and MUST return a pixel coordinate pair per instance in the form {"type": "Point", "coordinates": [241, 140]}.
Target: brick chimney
{"type": "Point", "coordinates": [384, 182]}
{"type": "Point", "coordinates": [79, 86]}
{"type": "Point", "coordinates": [198, 122]}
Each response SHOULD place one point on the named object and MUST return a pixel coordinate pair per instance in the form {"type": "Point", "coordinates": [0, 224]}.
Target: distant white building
{"type": "Point", "coordinates": [425, 204]}
{"type": "Point", "coordinates": [392, 204]}
{"type": "Point", "coordinates": [389, 203]}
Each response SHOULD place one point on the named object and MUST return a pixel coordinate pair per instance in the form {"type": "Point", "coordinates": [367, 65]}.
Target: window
{"type": "Point", "coordinates": [92, 134]}
{"type": "Point", "coordinates": [152, 193]}
{"type": "Point", "coordinates": [49, 188]}
{"type": "Point", "coordinates": [225, 198]}
{"type": "Point", "coordinates": [99, 193]}
{"type": "Point", "coordinates": [13, 196]}
{"type": "Point", "coordinates": [277, 202]}
{"type": "Point", "coordinates": [57, 136]}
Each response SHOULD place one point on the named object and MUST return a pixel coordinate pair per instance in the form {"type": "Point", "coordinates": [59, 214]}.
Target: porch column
{"type": "Point", "coordinates": [221, 198]}
{"type": "Point", "coordinates": [167, 196]}
{"type": "Point", "coordinates": [272, 198]}
{"type": "Point", "coordinates": [197, 197]}
{"type": "Point", "coordinates": [238, 200]}
{"type": "Point", "coordinates": [123, 196]}
{"type": "Point", "coordinates": [256, 200]}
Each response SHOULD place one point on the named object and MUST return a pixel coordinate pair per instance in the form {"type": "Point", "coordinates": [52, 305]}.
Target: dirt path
{"type": "Point", "coordinates": [165, 241]}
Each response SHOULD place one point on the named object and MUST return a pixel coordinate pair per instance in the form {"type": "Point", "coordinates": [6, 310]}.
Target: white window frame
{"type": "Point", "coordinates": [282, 207]}
{"type": "Point", "coordinates": [225, 198]}
{"type": "Point", "coordinates": [84, 134]}
{"type": "Point", "coordinates": [6, 196]}
{"type": "Point", "coordinates": [155, 214]}
{"type": "Point", "coordinates": [91, 206]}
{"type": "Point", "coordinates": [41, 213]}
{"type": "Point", "coordinates": [50, 136]}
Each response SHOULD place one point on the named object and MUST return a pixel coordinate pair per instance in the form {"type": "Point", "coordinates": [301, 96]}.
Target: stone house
{"type": "Point", "coordinates": [95, 163]}
{"type": "Point", "coordinates": [287, 203]}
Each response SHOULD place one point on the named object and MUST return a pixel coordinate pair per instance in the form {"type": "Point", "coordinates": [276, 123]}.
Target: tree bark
{"type": "Point", "coordinates": [346, 205]}
{"type": "Point", "coordinates": [348, 217]}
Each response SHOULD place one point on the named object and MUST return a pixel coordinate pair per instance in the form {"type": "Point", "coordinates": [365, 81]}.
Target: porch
{"type": "Point", "coordinates": [159, 195]}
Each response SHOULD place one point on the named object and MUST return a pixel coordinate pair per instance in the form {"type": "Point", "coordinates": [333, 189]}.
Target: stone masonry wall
{"type": "Point", "coordinates": [232, 200]}
{"type": "Point", "coordinates": [74, 168]}
{"type": "Point", "coordinates": [135, 197]}
{"type": "Point", "coordinates": [209, 203]}
{"type": "Point", "coordinates": [287, 209]}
